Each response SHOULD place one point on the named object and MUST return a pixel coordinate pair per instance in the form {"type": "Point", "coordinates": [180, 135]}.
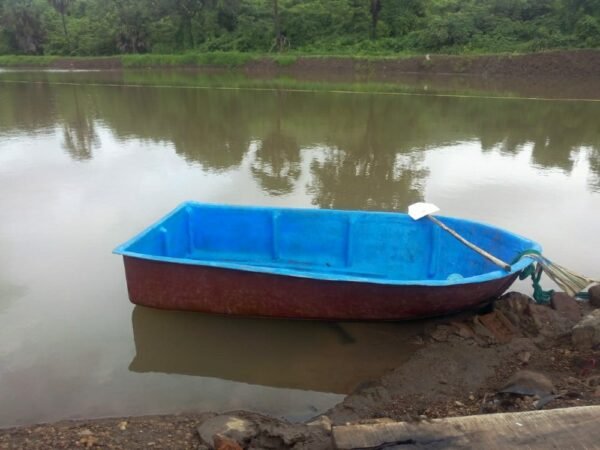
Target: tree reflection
{"type": "Point", "coordinates": [79, 131]}
{"type": "Point", "coordinates": [594, 160]}
{"type": "Point", "coordinates": [276, 164]}
{"type": "Point", "coordinates": [373, 145]}
{"type": "Point", "coordinates": [368, 173]}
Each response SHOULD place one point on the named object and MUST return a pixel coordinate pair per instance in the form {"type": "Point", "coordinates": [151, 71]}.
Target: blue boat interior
{"type": "Point", "coordinates": [382, 247]}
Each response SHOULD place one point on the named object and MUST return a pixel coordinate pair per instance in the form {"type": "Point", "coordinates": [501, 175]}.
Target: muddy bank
{"type": "Point", "coordinates": [564, 64]}
{"type": "Point", "coordinates": [520, 357]}
{"type": "Point", "coordinates": [571, 64]}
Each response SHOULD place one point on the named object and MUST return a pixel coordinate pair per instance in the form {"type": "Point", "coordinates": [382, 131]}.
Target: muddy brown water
{"type": "Point", "coordinates": [87, 159]}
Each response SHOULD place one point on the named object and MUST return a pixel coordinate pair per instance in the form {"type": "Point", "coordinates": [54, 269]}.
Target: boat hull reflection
{"type": "Point", "coordinates": [317, 356]}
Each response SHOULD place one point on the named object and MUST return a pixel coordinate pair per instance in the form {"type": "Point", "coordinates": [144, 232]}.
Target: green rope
{"type": "Point", "coordinates": [539, 294]}
{"type": "Point", "coordinates": [563, 277]}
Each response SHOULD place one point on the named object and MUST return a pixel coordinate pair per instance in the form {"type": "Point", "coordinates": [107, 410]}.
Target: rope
{"type": "Point", "coordinates": [570, 282]}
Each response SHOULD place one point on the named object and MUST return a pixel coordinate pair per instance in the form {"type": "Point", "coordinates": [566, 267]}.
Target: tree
{"type": "Point", "coordinates": [375, 11]}
{"type": "Point", "coordinates": [62, 6]}
{"type": "Point", "coordinates": [279, 43]}
{"type": "Point", "coordinates": [21, 21]}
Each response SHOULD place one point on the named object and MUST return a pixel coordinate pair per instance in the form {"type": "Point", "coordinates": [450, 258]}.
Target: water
{"type": "Point", "coordinates": [87, 159]}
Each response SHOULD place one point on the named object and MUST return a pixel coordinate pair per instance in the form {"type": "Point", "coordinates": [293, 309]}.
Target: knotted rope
{"type": "Point", "coordinates": [570, 282]}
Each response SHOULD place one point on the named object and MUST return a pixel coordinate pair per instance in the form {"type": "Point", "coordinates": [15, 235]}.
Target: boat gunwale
{"type": "Point", "coordinates": [298, 273]}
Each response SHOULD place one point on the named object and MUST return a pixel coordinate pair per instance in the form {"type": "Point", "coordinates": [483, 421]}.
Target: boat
{"type": "Point", "coordinates": [316, 263]}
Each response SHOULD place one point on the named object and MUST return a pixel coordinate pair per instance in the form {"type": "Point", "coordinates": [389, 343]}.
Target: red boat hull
{"type": "Point", "coordinates": [226, 291]}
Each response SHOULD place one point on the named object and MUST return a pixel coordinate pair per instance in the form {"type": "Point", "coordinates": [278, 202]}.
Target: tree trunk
{"type": "Point", "coordinates": [64, 24]}
{"type": "Point", "coordinates": [375, 10]}
{"type": "Point", "coordinates": [277, 25]}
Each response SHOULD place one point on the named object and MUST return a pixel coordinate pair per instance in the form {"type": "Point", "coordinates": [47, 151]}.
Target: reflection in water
{"type": "Point", "coordinates": [277, 161]}
{"type": "Point", "coordinates": [78, 126]}
{"type": "Point", "coordinates": [315, 356]}
{"type": "Point", "coordinates": [372, 144]}
{"type": "Point", "coordinates": [369, 171]}
{"type": "Point", "coordinates": [66, 344]}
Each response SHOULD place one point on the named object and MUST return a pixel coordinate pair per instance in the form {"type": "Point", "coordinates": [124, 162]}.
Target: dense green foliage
{"type": "Point", "coordinates": [106, 27]}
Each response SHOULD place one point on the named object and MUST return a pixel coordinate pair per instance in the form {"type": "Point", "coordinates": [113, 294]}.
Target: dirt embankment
{"type": "Point", "coordinates": [520, 357]}
{"type": "Point", "coordinates": [572, 64]}
{"type": "Point", "coordinates": [564, 64]}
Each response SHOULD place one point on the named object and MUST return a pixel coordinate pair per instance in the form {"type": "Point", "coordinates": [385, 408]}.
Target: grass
{"type": "Point", "coordinates": [218, 59]}
{"type": "Point", "coordinates": [25, 60]}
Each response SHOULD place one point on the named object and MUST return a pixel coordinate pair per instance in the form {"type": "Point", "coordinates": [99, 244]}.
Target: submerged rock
{"type": "Point", "coordinates": [586, 334]}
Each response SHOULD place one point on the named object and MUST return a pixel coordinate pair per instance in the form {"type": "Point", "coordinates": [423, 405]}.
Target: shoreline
{"type": "Point", "coordinates": [562, 63]}
{"type": "Point", "coordinates": [467, 365]}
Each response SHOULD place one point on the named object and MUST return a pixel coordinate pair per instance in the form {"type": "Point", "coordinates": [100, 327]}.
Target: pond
{"type": "Point", "coordinates": [87, 159]}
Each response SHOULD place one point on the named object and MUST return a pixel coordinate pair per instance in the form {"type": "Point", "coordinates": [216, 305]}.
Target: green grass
{"type": "Point", "coordinates": [216, 59]}
{"type": "Point", "coordinates": [221, 59]}
{"type": "Point", "coordinates": [22, 60]}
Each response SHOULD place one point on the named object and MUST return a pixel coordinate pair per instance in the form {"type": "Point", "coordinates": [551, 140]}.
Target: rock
{"type": "Point", "coordinates": [586, 334]}
{"type": "Point", "coordinates": [88, 441]}
{"type": "Point", "coordinates": [223, 443]}
{"type": "Point", "coordinates": [513, 305]}
{"type": "Point", "coordinates": [323, 422]}
{"type": "Point", "coordinates": [524, 357]}
{"type": "Point", "coordinates": [441, 333]}
{"type": "Point", "coordinates": [594, 293]}
{"type": "Point", "coordinates": [596, 393]}
{"type": "Point", "coordinates": [540, 403]}
{"type": "Point", "coordinates": [527, 382]}
{"type": "Point", "coordinates": [498, 325]}
{"type": "Point", "coordinates": [548, 322]}
{"type": "Point", "coordinates": [229, 427]}
{"type": "Point", "coordinates": [566, 305]}
{"type": "Point", "coordinates": [463, 330]}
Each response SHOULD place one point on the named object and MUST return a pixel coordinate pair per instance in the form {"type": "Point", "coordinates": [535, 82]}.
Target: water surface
{"type": "Point", "coordinates": [87, 159]}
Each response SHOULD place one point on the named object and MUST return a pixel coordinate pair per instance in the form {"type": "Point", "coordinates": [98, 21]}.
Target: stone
{"type": "Point", "coordinates": [463, 330]}
{"type": "Point", "coordinates": [514, 305]}
{"type": "Point", "coordinates": [586, 334]}
{"type": "Point", "coordinates": [441, 333]}
{"type": "Point", "coordinates": [594, 293]}
{"type": "Point", "coordinates": [223, 443]}
{"type": "Point", "coordinates": [524, 357]}
{"type": "Point", "coordinates": [323, 422]}
{"type": "Point", "coordinates": [229, 427]}
{"type": "Point", "coordinates": [498, 325]}
{"type": "Point", "coordinates": [548, 322]}
{"type": "Point", "coordinates": [566, 305]}
{"type": "Point", "coordinates": [528, 382]}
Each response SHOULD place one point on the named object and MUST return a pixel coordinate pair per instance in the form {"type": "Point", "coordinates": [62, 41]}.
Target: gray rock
{"type": "Point", "coordinates": [527, 382]}
{"type": "Point", "coordinates": [548, 322]}
{"type": "Point", "coordinates": [322, 422]}
{"type": "Point", "coordinates": [566, 305]}
{"type": "Point", "coordinates": [586, 334]}
{"type": "Point", "coordinates": [594, 293]}
{"type": "Point", "coordinates": [231, 427]}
